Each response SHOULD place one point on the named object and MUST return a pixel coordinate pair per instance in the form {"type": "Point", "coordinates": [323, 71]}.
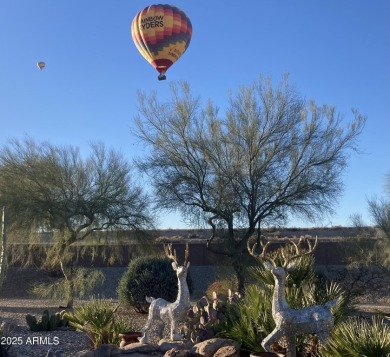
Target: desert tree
{"type": "Point", "coordinates": [378, 253]}
{"type": "Point", "coordinates": [379, 210]}
{"type": "Point", "coordinates": [52, 189]}
{"type": "Point", "coordinates": [271, 155]}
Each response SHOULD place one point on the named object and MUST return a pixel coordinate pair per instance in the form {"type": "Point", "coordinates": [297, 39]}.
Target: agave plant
{"type": "Point", "coordinates": [359, 338]}
{"type": "Point", "coordinates": [98, 319]}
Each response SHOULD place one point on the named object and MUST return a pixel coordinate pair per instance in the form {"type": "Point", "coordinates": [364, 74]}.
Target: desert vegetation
{"type": "Point", "coordinates": [272, 155]}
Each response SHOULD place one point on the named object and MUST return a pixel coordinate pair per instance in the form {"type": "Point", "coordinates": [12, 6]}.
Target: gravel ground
{"type": "Point", "coordinates": [25, 343]}
{"type": "Point", "coordinates": [16, 301]}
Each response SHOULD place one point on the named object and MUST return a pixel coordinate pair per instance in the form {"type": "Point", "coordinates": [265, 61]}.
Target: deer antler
{"type": "Point", "coordinates": [298, 250]}
{"type": "Point", "coordinates": [169, 253]}
{"type": "Point", "coordinates": [186, 255]}
{"type": "Point", "coordinates": [262, 256]}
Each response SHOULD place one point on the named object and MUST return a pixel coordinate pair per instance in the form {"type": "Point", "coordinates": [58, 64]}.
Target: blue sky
{"type": "Point", "coordinates": [335, 51]}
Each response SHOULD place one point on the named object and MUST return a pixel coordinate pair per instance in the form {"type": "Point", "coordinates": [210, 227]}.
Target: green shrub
{"type": "Point", "coordinates": [148, 276]}
{"type": "Point", "coordinates": [221, 287]}
{"type": "Point", "coordinates": [98, 320]}
{"type": "Point", "coordinates": [357, 337]}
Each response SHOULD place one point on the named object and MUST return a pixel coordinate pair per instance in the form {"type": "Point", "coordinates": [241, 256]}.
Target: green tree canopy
{"type": "Point", "coordinates": [271, 155]}
{"type": "Point", "coordinates": [50, 188]}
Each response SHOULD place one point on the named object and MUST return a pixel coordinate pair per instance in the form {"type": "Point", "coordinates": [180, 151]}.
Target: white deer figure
{"type": "Point", "coordinates": [162, 311]}
{"type": "Point", "coordinates": [291, 322]}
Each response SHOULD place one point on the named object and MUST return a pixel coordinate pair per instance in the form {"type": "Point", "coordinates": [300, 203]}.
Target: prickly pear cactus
{"type": "Point", "coordinates": [205, 318]}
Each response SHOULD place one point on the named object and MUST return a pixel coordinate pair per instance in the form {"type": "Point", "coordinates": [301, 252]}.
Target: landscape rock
{"type": "Point", "coordinates": [128, 353]}
{"type": "Point", "coordinates": [180, 353]}
{"type": "Point", "coordinates": [137, 350]}
{"type": "Point", "coordinates": [209, 347]}
{"type": "Point", "coordinates": [217, 347]}
{"type": "Point", "coordinates": [166, 345]}
{"type": "Point", "coordinates": [227, 351]}
{"type": "Point", "coordinates": [141, 347]}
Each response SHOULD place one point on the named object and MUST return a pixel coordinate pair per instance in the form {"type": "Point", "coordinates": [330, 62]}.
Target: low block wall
{"type": "Point", "coordinates": [327, 253]}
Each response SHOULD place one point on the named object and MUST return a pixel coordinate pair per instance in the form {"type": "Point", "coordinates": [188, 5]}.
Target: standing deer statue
{"type": "Point", "coordinates": [291, 322]}
{"type": "Point", "coordinates": [162, 311]}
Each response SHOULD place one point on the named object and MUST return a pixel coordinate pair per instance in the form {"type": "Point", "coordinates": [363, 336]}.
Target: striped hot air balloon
{"type": "Point", "coordinates": [161, 34]}
{"type": "Point", "coordinates": [41, 65]}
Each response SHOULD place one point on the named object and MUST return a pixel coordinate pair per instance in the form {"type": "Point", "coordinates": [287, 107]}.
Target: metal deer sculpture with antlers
{"type": "Point", "coordinates": [291, 322]}
{"type": "Point", "coordinates": [162, 311]}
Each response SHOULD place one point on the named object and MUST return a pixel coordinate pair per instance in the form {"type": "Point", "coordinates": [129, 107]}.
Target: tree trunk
{"type": "Point", "coordinates": [239, 269]}
{"type": "Point", "coordinates": [68, 276]}
{"type": "Point", "coordinates": [238, 259]}
{"type": "Point", "coordinates": [70, 297]}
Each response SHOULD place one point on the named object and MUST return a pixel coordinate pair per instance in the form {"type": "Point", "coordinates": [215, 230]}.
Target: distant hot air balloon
{"type": "Point", "coordinates": [41, 65]}
{"type": "Point", "coordinates": [161, 34]}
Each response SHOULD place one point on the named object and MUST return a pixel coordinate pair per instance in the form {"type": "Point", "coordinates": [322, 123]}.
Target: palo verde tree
{"type": "Point", "coordinates": [49, 188]}
{"type": "Point", "coordinates": [379, 212]}
{"type": "Point", "coordinates": [272, 154]}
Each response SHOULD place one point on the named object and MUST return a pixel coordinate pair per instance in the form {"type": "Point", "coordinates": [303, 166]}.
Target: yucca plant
{"type": "Point", "coordinates": [98, 320]}
{"type": "Point", "coordinates": [359, 338]}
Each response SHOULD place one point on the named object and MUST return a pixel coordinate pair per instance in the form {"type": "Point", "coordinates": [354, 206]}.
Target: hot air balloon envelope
{"type": "Point", "coordinates": [41, 65]}
{"type": "Point", "coordinates": [161, 34]}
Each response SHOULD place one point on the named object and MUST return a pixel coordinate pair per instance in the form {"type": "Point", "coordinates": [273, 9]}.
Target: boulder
{"type": "Point", "coordinates": [227, 351]}
{"type": "Point", "coordinates": [166, 345]}
{"type": "Point", "coordinates": [209, 347]}
{"type": "Point", "coordinates": [137, 350]}
{"type": "Point", "coordinates": [180, 353]}
{"type": "Point", "coordinates": [141, 347]}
